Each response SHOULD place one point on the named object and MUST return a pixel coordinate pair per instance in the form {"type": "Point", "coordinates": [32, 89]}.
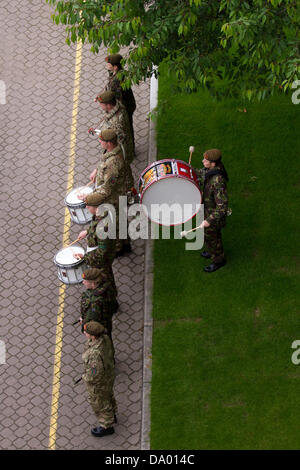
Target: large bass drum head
{"type": "Point", "coordinates": [171, 201]}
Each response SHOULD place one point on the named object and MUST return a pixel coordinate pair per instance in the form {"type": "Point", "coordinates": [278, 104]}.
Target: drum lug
{"type": "Point", "coordinates": [174, 167]}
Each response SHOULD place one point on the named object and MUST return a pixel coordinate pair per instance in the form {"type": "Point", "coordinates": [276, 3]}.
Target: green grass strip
{"type": "Point", "coordinates": [222, 371]}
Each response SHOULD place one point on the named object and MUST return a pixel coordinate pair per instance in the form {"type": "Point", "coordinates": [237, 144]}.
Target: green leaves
{"type": "Point", "coordinates": [236, 48]}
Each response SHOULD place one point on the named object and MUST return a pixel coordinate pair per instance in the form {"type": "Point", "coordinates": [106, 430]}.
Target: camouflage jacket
{"type": "Point", "coordinates": [118, 120]}
{"type": "Point", "coordinates": [114, 177]}
{"type": "Point", "coordinates": [106, 249]}
{"type": "Point", "coordinates": [214, 191]}
{"type": "Point", "coordinates": [98, 304]}
{"type": "Point", "coordinates": [125, 96]}
{"type": "Point", "coordinates": [98, 359]}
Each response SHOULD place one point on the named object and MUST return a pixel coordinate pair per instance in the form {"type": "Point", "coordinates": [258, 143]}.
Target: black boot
{"type": "Point", "coordinates": [126, 248]}
{"type": "Point", "coordinates": [99, 431]}
{"type": "Point", "coordinates": [205, 254]}
{"type": "Point", "coordinates": [214, 266]}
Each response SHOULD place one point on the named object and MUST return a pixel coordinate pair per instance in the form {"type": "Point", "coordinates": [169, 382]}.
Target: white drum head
{"type": "Point", "coordinates": [171, 201]}
{"type": "Point", "coordinates": [72, 197]}
{"type": "Point", "coordinates": [66, 256]}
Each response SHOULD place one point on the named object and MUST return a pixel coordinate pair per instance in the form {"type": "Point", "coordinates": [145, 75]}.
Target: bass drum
{"type": "Point", "coordinates": [169, 192]}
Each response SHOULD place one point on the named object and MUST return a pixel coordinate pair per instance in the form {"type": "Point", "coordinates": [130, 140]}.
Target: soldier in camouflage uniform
{"type": "Point", "coordinates": [126, 97]}
{"type": "Point", "coordinates": [113, 178]}
{"type": "Point", "coordinates": [99, 376]}
{"type": "Point", "coordinates": [100, 252]}
{"type": "Point", "coordinates": [98, 302]}
{"type": "Point", "coordinates": [213, 181]}
{"type": "Point", "coordinates": [116, 117]}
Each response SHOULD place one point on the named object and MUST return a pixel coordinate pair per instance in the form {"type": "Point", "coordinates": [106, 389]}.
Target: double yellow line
{"type": "Point", "coordinates": [66, 238]}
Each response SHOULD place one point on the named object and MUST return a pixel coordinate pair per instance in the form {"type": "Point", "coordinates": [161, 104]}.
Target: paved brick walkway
{"type": "Point", "coordinates": [38, 70]}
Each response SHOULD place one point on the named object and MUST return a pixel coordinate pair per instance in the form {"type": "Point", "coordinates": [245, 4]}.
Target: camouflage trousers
{"type": "Point", "coordinates": [103, 403]}
{"type": "Point", "coordinates": [120, 243]}
{"type": "Point", "coordinates": [213, 244]}
{"type": "Point", "coordinates": [130, 115]}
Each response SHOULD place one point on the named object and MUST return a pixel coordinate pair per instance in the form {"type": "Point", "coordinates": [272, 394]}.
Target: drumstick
{"type": "Point", "coordinates": [191, 150]}
{"type": "Point", "coordinates": [77, 240]}
{"type": "Point", "coordinates": [81, 187]}
{"type": "Point", "coordinates": [91, 182]}
{"type": "Point", "coordinates": [184, 232]}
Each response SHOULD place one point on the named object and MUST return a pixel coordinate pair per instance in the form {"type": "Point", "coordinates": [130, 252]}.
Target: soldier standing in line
{"type": "Point", "coordinates": [116, 117]}
{"type": "Point", "coordinates": [100, 252]}
{"type": "Point", "coordinates": [98, 301]}
{"type": "Point", "coordinates": [213, 181]}
{"type": "Point", "coordinates": [113, 65]}
{"type": "Point", "coordinates": [99, 376]}
{"type": "Point", "coordinates": [113, 178]}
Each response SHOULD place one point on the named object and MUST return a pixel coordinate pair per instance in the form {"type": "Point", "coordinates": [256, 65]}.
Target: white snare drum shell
{"type": "Point", "coordinates": [69, 269]}
{"type": "Point", "coordinates": [77, 208]}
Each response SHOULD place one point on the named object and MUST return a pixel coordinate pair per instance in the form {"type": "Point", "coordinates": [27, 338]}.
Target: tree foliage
{"type": "Point", "coordinates": [246, 48]}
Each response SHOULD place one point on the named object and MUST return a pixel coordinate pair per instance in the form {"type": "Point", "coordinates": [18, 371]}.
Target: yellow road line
{"type": "Point", "coordinates": [66, 238]}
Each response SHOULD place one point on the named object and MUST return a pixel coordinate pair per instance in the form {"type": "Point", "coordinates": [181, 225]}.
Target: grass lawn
{"type": "Point", "coordinates": [222, 371]}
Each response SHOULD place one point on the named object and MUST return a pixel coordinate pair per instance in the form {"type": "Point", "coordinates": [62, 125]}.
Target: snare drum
{"type": "Point", "coordinates": [70, 269]}
{"type": "Point", "coordinates": [78, 211]}
{"type": "Point", "coordinates": [174, 184]}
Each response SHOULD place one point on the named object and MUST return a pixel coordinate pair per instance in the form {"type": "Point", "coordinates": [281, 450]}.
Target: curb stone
{"type": "Point", "coordinates": [148, 287]}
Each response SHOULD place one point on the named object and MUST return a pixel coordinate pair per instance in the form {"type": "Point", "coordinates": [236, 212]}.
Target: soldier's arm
{"type": "Point", "coordinates": [103, 288]}
{"type": "Point", "coordinates": [110, 180]}
{"type": "Point", "coordinates": [94, 369]}
{"type": "Point", "coordinates": [89, 231]}
{"type": "Point", "coordinates": [94, 314]}
{"type": "Point", "coordinates": [84, 305]}
{"type": "Point", "coordinates": [92, 241]}
{"type": "Point", "coordinates": [121, 135]}
{"type": "Point", "coordinates": [96, 309]}
{"type": "Point", "coordinates": [221, 200]}
{"type": "Point", "coordinates": [91, 306]}
{"type": "Point", "coordinates": [94, 258]}
{"type": "Point", "coordinates": [200, 172]}
{"type": "Point", "coordinates": [120, 127]}
{"type": "Point", "coordinates": [116, 87]}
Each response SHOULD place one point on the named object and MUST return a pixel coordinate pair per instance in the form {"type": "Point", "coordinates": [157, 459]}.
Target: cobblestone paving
{"type": "Point", "coordinates": [38, 70]}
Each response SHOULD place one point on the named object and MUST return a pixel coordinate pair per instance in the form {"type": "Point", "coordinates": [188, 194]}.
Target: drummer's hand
{"type": "Point", "coordinates": [204, 224]}
{"type": "Point", "coordinates": [81, 196]}
{"type": "Point", "coordinates": [80, 321]}
{"type": "Point", "coordinates": [93, 175]}
{"type": "Point", "coordinates": [82, 234]}
{"type": "Point", "coordinates": [78, 255]}
{"type": "Point", "coordinates": [91, 131]}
